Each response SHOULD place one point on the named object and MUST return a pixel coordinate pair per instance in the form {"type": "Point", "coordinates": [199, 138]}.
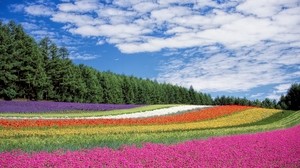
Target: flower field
{"type": "Point", "coordinates": [271, 149]}
{"type": "Point", "coordinates": [45, 106]}
{"type": "Point", "coordinates": [150, 136]}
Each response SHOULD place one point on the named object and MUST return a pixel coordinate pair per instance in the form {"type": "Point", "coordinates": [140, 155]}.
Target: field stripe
{"type": "Point", "coordinates": [157, 112]}
{"type": "Point", "coordinates": [278, 148]}
{"type": "Point", "coordinates": [77, 142]}
{"type": "Point", "coordinates": [197, 115]}
{"type": "Point", "coordinates": [74, 114]}
{"type": "Point", "coordinates": [244, 117]}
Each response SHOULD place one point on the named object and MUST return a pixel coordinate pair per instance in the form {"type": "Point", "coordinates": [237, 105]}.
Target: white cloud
{"type": "Point", "coordinates": [180, 24]}
{"type": "Point", "coordinates": [169, 13]}
{"type": "Point", "coordinates": [86, 31]}
{"type": "Point", "coordinates": [282, 88]}
{"type": "Point", "coordinates": [257, 95]}
{"type": "Point", "coordinates": [78, 56]}
{"type": "Point", "coordinates": [265, 8]}
{"type": "Point", "coordinates": [76, 19]}
{"type": "Point", "coordinates": [38, 10]}
{"type": "Point", "coordinates": [228, 46]}
{"type": "Point", "coordinates": [16, 7]}
{"type": "Point", "coordinates": [230, 70]}
{"type": "Point", "coordinates": [29, 26]}
{"type": "Point", "coordinates": [100, 42]}
{"type": "Point", "coordinates": [273, 96]}
{"type": "Point", "coordinates": [42, 33]}
{"type": "Point", "coordinates": [144, 7]}
{"type": "Point", "coordinates": [79, 6]}
{"type": "Point", "coordinates": [279, 90]}
{"type": "Point", "coordinates": [115, 16]}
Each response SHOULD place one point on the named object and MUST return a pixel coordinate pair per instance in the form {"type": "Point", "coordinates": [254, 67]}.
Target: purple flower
{"type": "Point", "coordinates": [48, 106]}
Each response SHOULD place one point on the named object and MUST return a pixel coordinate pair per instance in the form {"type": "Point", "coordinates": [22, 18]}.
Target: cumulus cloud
{"type": "Point", "coordinates": [38, 10]}
{"type": "Point", "coordinates": [219, 45]}
{"type": "Point", "coordinates": [189, 23]}
{"type": "Point", "coordinates": [282, 88]}
{"type": "Point", "coordinates": [265, 8]}
{"type": "Point", "coordinates": [16, 7]}
{"type": "Point", "coordinates": [216, 69]}
{"type": "Point", "coordinates": [80, 20]}
{"type": "Point", "coordinates": [181, 24]}
{"type": "Point", "coordinates": [100, 42]}
{"type": "Point", "coordinates": [79, 6]}
{"type": "Point", "coordinates": [78, 56]}
{"type": "Point", "coordinates": [30, 26]}
{"type": "Point", "coordinates": [145, 7]}
{"type": "Point", "coordinates": [278, 91]}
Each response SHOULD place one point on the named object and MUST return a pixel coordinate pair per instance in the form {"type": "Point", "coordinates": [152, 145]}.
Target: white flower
{"type": "Point", "coordinates": [158, 112]}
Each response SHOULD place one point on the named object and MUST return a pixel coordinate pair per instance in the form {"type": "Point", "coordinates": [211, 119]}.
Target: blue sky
{"type": "Point", "coordinates": [241, 48]}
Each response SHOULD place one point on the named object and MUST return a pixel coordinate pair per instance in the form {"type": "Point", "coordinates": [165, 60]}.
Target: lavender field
{"type": "Point", "coordinates": [48, 106]}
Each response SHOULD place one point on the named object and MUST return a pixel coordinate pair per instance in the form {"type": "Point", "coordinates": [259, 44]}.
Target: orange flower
{"type": "Point", "coordinates": [197, 115]}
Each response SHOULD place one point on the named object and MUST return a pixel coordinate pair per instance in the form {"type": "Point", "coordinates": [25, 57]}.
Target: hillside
{"type": "Point", "coordinates": [183, 129]}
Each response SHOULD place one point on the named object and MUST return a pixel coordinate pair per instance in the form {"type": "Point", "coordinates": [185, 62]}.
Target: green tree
{"type": "Point", "coordinates": [93, 88]}
{"type": "Point", "coordinates": [112, 88]}
{"type": "Point", "coordinates": [44, 71]}
{"type": "Point", "coordinates": [27, 64]}
{"type": "Point", "coordinates": [292, 98]}
{"type": "Point", "coordinates": [267, 103]}
{"type": "Point", "coordinates": [128, 90]}
{"type": "Point", "coordinates": [192, 95]}
{"type": "Point", "coordinates": [8, 78]}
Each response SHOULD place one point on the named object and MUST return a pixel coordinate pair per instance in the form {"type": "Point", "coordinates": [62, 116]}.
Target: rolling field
{"type": "Point", "coordinates": [150, 136]}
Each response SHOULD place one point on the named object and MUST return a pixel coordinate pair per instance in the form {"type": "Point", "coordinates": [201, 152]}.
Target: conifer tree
{"type": "Point", "coordinates": [8, 77]}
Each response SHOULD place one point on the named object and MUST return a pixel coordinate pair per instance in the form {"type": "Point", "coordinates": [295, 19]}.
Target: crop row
{"type": "Point", "coordinates": [279, 148]}
{"type": "Point", "coordinates": [157, 112]}
{"type": "Point", "coordinates": [82, 113]}
{"type": "Point", "coordinates": [76, 142]}
{"type": "Point", "coordinates": [47, 106]}
{"type": "Point", "coordinates": [192, 116]}
{"type": "Point", "coordinates": [214, 121]}
{"type": "Point", "coordinates": [243, 117]}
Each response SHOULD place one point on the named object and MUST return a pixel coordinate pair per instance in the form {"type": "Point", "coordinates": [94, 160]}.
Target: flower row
{"type": "Point", "coordinates": [81, 113]}
{"type": "Point", "coordinates": [196, 115]}
{"type": "Point", "coordinates": [243, 117]}
{"type": "Point", "coordinates": [157, 112]}
{"type": "Point", "coordinates": [280, 120]}
{"type": "Point", "coordinates": [270, 149]}
{"type": "Point", "coordinates": [47, 106]}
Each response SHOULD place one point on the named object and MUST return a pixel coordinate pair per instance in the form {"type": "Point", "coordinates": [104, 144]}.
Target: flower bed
{"type": "Point", "coordinates": [270, 149]}
{"type": "Point", "coordinates": [47, 106]}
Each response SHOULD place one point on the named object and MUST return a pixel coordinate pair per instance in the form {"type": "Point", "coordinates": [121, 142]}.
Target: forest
{"type": "Point", "coordinates": [43, 71]}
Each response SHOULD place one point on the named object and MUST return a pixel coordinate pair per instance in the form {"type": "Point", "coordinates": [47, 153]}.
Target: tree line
{"type": "Point", "coordinates": [43, 71]}
{"type": "Point", "coordinates": [290, 101]}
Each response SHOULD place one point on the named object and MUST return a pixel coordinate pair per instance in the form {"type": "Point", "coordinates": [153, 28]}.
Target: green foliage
{"type": "Point", "coordinates": [44, 71]}
{"type": "Point", "coordinates": [267, 103]}
{"type": "Point", "coordinates": [21, 68]}
{"type": "Point", "coordinates": [292, 99]}
{"type": "Point", "coordinates": [9, 93]}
